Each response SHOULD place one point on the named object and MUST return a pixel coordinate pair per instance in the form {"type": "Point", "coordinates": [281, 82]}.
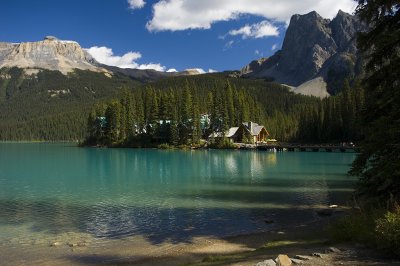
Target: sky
{"type": "Point", "coordinates": [166, 35]}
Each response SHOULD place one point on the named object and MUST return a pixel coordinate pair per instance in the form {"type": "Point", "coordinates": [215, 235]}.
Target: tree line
{"type": "Point", "coordinates": [181, 111]}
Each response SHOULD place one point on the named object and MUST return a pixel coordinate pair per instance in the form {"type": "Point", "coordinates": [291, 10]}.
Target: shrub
{"type": "Point", "coordinates": [356, 227]}
{"type": "Point", "coordinates": [388, 232]}
{"type": "Point", "coordinates": [223, 143]}
{"type": "Point", "coordinates": [165, 146]}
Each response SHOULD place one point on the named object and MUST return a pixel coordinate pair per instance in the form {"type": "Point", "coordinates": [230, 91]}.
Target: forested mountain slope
{"type": "Point", "coordinates": [47, 105]}
{"type": "Point", "coordinates": [228, 102]}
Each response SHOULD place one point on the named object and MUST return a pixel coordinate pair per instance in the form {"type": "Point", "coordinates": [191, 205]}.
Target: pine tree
{"type": "Point", "coordinates": [140, 114]}
{"type": "Point", "coordinates": [196, 134]}
{"type": "Point", "coordinates": [186, 106]}
{"type": "Point", "coordinates": [229, 105]}
{"type": "Point", "coordinates": [173, 129]}
{"type": "Point", "coordinates": [127, 102]}
{"type": "Point", "coordinates": [113, 118]}
{"type": "Point", "coordinates": [378, 161]}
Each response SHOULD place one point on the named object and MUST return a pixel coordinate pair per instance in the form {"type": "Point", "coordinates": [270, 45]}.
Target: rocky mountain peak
{"type": "Point", "coordinates": [313, 47]}
{"type": "Point", "coordinates": [50, 38]}
{"type": "Point", "coordinates": [50, 53]}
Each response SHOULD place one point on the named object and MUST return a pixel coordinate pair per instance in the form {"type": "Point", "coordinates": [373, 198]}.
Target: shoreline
{"type": "Point", "coordinates": [287, 147]}
{"type": "Point", "coordinates": [243, 249]}
{"type": "Point", "coordinates": [137, 250]}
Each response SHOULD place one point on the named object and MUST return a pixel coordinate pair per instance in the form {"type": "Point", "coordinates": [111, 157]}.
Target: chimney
{"type": "Point", "coordinates": [250, 126]}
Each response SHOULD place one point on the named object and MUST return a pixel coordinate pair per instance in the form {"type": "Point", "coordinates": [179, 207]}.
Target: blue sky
{"type": "Point", "coordinates": [169, 34]}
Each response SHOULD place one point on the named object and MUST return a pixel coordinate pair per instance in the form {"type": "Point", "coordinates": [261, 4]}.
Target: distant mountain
{"type": "Point", "coordinates": [66, 56]}
{"type": "Point", "coordinates": [146, 75]}
{"type": "Point", "coordinates": [50, 53]}
{"type": "Point", "coordinates": [316, 49]}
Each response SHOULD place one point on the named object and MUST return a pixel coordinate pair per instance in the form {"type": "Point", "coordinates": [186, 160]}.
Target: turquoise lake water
{"type": "Point", "coordinates": [47, 190]}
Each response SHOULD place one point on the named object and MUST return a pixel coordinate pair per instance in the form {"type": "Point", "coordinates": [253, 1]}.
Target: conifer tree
{"type": "Point", "coordinates": [196, 134]}
{"type": "Point", "coordinates": [378, 161]}
{"type": "Point", "coordinates": [113, 118]}
{"type": "Point", "coordinates": [229, 105]}
{"type": "Point", "coordinates": [140, 116]}
{"type": "Point", "coordinates": [186, 105]}
{"type": "Point", "coordinates": [173, 129]}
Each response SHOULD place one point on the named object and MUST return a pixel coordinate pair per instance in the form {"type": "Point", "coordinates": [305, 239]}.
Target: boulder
{"type": "Point", "coordinates": [297, 261]}
{"type": "Point", "coordinates": [302, 257]}
{"type": "Point", "coordinates": [283, 260]}
{"type": "Point", "coordinates": [269, 262]}
{"type": "Point", "coordinates": [56, 244]}
{"type": "Point", "coordinates": [334, 250]}
{"type": "Point", "coordinates": [319, 255]}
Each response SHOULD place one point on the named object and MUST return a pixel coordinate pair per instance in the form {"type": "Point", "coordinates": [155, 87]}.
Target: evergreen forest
{"type": "Point", "coordinates": [50, 106]}
{"type": "Point", "coordinates": [183, 110]}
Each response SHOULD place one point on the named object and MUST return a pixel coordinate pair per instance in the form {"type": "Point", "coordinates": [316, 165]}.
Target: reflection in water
{"type": "Point", "coordinates": [115, 193]}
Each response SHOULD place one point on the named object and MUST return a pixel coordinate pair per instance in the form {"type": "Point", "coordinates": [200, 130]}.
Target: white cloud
{"type": "Point", "coordinates": [210, 70]}
{"type": "Point", "coordinates": [172, 70]}
{"type": "Point", "coordinates": [228, 45]}
{"type": "Point", "coordinates": [176, 15]}
{"type": "Point", "coordinates": [136, 4]}
{"type": "Point", "coordinates": [157, 67]}
{"type": "Point", "coordinates": [273, 48]}
{"type": "Point", "coordinates": [106, 56]}
{"type": "Point", "coordinates": [258, 30]}
{"type": "Point", "coordinates": [200, 70]}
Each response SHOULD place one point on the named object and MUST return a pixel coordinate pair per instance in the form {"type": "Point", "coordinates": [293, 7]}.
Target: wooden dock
{"type": "Point", "coordinates": [299, 147]}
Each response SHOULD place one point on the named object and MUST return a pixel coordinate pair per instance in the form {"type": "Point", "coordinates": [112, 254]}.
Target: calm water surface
{"type": "Point", "coordinates": [47, 190]}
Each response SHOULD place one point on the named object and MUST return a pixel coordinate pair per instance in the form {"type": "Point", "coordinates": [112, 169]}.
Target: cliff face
{"type": "Point", "coordinates": [65, 56]}
{"type": "Point", "coordinates": [51, 53]}
{"type": "Point", "coordinates": [313, 47]}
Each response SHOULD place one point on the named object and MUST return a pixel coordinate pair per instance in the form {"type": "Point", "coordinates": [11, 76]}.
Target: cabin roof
{"type": "Point", "coordinates": [232, 131]}
{"type": "Point", "coordinates": [253, 128]}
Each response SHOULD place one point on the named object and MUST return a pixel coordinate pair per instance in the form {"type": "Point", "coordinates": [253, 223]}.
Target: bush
{"type": "Point", "coordinates": [377, 228]}
{"type": "Point", "coordinates": [165, 146]}
{"type": "Point", "coordinates": [388, 232]}
{"type": "Point", "coordinates": [223, 143]}
{"type": "Point", "coordinates": [356, 227]}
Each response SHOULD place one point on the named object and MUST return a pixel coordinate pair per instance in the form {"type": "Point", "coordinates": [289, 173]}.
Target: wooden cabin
{"type": "Point", "coordinates": [248, 132]}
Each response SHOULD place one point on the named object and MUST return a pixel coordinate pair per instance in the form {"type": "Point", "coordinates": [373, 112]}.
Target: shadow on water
{"type": "Point", "coordinates": [114, 222]}
{"type": "Point", "coordinates": [170, 223]}
{"type": "Point", "coordinates": [161, 195]}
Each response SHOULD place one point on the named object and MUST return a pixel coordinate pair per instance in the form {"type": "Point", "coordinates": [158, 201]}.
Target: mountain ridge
{"type": "Point", "coordinates": [50, 53]}
{"type": "Point", "coordinates": [66, 56]}
{"type": "Point", "coordinates": [313, 48]}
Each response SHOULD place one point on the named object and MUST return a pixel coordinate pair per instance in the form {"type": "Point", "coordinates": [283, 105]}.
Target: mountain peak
{"type": "Point", "coordinates": [341, 13]}
{"type": "Point", "coordinates": [50, 53]}
{"type": "Point", "coordinates": [313, 47]}
{"type": "Point", "coordinates": [50, 38]}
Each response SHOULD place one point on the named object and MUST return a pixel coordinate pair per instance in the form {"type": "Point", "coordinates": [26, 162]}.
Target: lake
{"type": "Point", "coordinates": [58, 192]}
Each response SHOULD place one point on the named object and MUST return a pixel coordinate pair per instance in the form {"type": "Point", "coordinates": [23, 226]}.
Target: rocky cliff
{"type": "Point", "coordinates": [65, 56]}
{"type": "Point", "coordinates": [50, 53]}
{"type": "Point", "coordinates": [313, 48]}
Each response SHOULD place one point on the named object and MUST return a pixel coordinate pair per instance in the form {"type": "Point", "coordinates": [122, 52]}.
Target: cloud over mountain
{"type": "Point", "coordinates": [258, 30]}
{"type": "Point", "coordinates": [106, 56]}
{"type": "Point", "coordinates": [174, 15]}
